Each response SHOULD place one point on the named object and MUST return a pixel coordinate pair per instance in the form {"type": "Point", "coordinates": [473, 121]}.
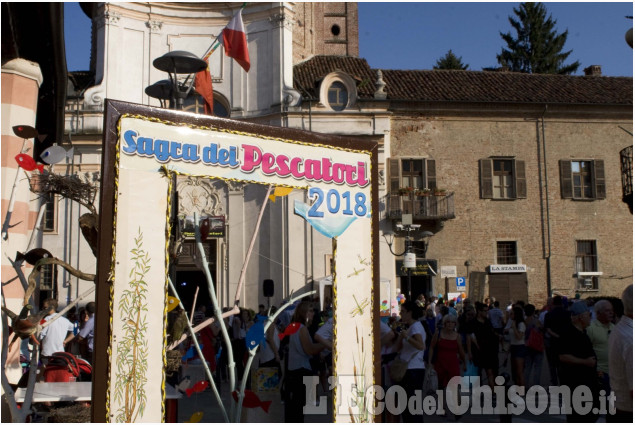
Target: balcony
{"type": "Point", "coordinates": [626, 159]}
{"type": "Point", "coordinates": [423, 208]}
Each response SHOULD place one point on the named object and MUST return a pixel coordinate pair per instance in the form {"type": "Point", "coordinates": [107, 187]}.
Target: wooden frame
{"type": "Point", "coordinates": [366, 273]}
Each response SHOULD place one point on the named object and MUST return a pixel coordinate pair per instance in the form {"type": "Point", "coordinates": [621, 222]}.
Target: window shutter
{"type": "Point", "coordinates": [485, 166]}
{"type": "Point", "coordinates": [566, 181]}
{"type": "Point", "coordinates": [393, 175]}
{"type": "Point", "coordinates": [519, 177]}
{"type": "Point", "coordinates": [431, 174]}
{"type": "Point", "coordinates": [600, 186]}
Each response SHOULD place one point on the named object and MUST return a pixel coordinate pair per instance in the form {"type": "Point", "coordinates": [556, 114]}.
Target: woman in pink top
{"type": "Point", "coordinates": [447, 342]}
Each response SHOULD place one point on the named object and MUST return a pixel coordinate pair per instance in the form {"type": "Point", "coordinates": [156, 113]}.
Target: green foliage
{"type": "Point", "coordinates": [537, 47]}
{"type": "Point", "coordinates": [132, 365]}
{"type": "Point", "coordinates": [450, 61]}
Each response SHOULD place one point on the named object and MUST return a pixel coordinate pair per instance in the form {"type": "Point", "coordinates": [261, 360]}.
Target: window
{"type": "Point", "coordinates": [195, 104]}
{"type": "Point", "coordinates": [506, 252]}
{"type": "Point", "coordinates": [586, 260]}
{"type": "Point", "coordinates": [338, 91]}
{"type": "Point", "coordinates": [412, 173]}
{"type": "Point", "coordinates": [582, 179]}
{"type": "Point", "coordinates": [417, 173]}
{"type": "Point", "coordinates": [338, 96]}
{"type": "Point", "coordinates": [48, 282]}
{"type": "Point", "coordinates": [49, 220]}
{"type": "Point", "coordinates": [220, 109]}
{"type": "Point", "coordinates": [502, 178]}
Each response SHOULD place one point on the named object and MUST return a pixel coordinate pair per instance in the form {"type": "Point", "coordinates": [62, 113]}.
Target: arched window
{"type": "Point", "coordinates": [195, 104]}
{"type": "Point", "coordinates": [338, 96]}
{"type": "Point", "coordinates": [338, 91]}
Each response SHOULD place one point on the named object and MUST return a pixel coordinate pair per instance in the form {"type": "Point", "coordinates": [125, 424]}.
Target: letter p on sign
{"type": "Point", "coordinates": [460, 282]}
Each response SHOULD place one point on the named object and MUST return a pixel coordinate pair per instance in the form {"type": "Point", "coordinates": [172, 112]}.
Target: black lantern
{"type": "Point", "coordinates": [174, 63]}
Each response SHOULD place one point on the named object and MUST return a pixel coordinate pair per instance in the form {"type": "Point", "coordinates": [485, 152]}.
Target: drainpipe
{"type": "Point", "coordinates": [544, 153]}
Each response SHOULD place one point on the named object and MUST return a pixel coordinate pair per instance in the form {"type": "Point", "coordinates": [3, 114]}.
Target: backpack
{"type": "Point", "coordinates": [65, 367]}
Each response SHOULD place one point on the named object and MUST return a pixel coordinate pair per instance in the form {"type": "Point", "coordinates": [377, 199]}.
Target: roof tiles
{"type": "Point", "coordinates": [467, 86]}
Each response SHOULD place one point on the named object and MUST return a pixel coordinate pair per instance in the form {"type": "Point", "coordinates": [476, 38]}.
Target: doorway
{"type": "Point", "coordinates": [188, 278]}
{"type": "Point", "coordinates": [186, 283]}
{"type": "Point", "coordinates": [418, 285]}
{"type": "Point", "coordinates": [508, 287]}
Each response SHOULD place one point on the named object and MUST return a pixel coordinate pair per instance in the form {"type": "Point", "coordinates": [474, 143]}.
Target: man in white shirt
{"type": "Point", "coordinates": [55, 336]}
{"type": "Point", "coordinates": [599, 332]}
{"type": "Point", "coordinates": [621, 362]}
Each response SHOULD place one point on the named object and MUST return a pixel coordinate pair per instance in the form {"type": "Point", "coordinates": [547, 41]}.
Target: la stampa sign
{"type": "Point", "coordinates": [508, 268]}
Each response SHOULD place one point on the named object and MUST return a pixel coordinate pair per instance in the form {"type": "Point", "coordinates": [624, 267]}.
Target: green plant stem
{"type": "Point", "coordinates": [135, 351]}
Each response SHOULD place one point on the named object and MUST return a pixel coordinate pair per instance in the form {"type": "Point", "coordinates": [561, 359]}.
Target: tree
{"type": "Point", "coordinates": [450, 61]}
{"type": "Point", "coordinates": [537, 48]}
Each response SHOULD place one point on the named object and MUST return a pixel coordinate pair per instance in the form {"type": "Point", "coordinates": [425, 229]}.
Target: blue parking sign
{"type": "Point", "coordinates": [460, 282]}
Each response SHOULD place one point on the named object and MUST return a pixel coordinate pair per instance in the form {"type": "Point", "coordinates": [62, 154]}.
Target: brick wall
{"type": "Point", "coordinates": [316, 26]}
{"type": "Point", "coordinates": [458, 142]}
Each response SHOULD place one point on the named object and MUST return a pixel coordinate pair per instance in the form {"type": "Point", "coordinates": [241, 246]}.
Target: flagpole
{"type": "Point", "coordinates": [212, 48]}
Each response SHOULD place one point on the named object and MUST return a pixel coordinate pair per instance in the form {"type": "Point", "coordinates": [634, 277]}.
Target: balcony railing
{"type": "Point", "coordinates": [626, 159]}
{"type": "Point", "coordinates": [431, 207]}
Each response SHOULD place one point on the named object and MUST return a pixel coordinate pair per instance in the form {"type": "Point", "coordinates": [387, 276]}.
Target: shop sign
{"type": "Point", "coordinates": [424, 268]}
{"type": "Point", "coordinates": [508, 268]}
{"type": "Point", "coordinates": [448, 271]}
{"type": "Point", "coordinates": [215, 224]}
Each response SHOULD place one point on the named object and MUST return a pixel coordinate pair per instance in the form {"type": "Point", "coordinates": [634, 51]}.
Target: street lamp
{"type": "Point", "coordinates": [410, 259]}
{"type": "Point", "coordinates": [426, 241]}
{"type": "Point", "coordinates": [161, 90]}
{"type": "Point", "coordinates": [176, 62]}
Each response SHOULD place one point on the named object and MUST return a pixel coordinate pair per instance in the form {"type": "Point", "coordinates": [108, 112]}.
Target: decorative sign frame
{"type": "Point", "coordinates": [142, 147]}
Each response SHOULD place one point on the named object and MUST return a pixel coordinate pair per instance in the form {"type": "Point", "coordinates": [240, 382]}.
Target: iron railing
{"type": "Point", "coordinates": [626, 160]}
{"type": "Point", "coordinates": [431, 207]}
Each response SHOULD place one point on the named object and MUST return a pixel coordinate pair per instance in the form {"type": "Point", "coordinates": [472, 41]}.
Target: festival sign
{"type": "Point", "coordinates": [143, 149]}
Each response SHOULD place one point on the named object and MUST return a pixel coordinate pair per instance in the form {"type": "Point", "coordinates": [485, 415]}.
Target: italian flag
{"type": "Point", "coordinates": [235, 41]}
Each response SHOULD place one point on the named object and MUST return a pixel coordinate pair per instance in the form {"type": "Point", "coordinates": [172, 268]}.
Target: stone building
{"type": "Point", "coordinates": [530, 166]}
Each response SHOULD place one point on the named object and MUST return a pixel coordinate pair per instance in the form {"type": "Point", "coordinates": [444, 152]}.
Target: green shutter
{"type": "Point", "coordinates": [485, 168]}
{"type": "Point", "coordinates": [598, 175]}
{"type": "Point", "coordinates": [566, 180]}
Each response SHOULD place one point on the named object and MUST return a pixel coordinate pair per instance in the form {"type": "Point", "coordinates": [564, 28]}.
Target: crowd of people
{"type": "Point", "coordinates": [73, 333]}
{"type": "Point", "coordinates": [586, 342]}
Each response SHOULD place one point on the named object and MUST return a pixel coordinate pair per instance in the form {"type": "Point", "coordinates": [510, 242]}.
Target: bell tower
{"type": "Point", "coordinates": [325, 29]}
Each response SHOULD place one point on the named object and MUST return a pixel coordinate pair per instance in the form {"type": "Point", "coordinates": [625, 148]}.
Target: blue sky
{"type": "Point", "coordinates": [415, 35]}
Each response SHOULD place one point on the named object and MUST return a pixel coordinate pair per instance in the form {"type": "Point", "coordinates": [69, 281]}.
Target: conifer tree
{"type": "Point", "coordinates": [450, 61]}
{"type": "Point", "coordinates": [537, 47]}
